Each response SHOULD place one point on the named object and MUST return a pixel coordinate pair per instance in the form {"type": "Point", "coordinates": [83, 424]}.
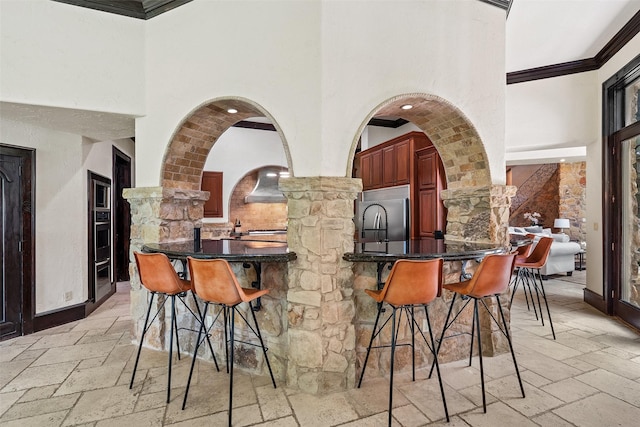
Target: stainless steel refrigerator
{"type": "Point", "coordinates": [383, 214]}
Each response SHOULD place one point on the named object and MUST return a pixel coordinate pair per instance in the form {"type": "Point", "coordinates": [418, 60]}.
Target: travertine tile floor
{"type": "Point", "coordinates": [78, 374]}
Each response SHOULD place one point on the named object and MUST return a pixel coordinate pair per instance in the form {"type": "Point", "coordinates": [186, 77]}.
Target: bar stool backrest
{"type": "Point", "coordinates": [157, 274]}
{"type": "Point", "coordinates": [492, 276]}
{"type": "Point", "coordinates": [413, 282]}
{"type": "Point", "coordinates": [213, 280]}
{"type": "Point", "coordinates": [540, 253]}
{"type": "Point", "coordinates": [524, 250]}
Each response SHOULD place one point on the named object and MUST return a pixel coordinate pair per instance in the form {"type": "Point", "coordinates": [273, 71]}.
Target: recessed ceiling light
{"type": "Point", "coordinates": [407, 107]}
{"type": "Point", "coordinates": [562, 160]}
{"type": "Point", "coordinates": [232, 111]}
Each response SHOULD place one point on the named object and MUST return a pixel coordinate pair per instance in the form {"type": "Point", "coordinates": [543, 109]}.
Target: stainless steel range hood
{"type": "Point", "coordinates": [266, 189]}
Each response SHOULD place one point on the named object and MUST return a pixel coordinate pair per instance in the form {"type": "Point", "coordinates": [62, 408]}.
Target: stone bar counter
{"type": "Point", "coordinates": [256, 263]}
{"type": "Point", "coordinates": [317, 318]}
{"type": "Point", "coordinates": [372, 261]}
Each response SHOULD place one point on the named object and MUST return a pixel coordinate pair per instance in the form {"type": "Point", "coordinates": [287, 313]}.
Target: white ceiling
{"type": "Point", "coordinates": [547, 32]}
{"type": "Point", "coordinates": [538, 33]}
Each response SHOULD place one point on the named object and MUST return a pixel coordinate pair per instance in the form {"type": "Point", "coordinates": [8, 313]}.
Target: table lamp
{"type": "Point", "coordinates": [561, 223]}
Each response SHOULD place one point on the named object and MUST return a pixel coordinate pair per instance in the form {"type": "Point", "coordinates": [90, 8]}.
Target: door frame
{"type": "Point", "coordinates": [27, 183]}
{"type": "Point", "coordinates": [614, 133]}
{"type": "Point", "coordinates": [120, 159]}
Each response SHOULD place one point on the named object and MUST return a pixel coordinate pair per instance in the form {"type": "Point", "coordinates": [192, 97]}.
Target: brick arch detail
{"type": "Point", "coordinates": [454, 136]}
{"type": "Point", "coordinates": [187, 151]}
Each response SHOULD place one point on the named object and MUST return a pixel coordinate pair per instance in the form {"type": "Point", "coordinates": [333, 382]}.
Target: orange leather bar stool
{"type": "Point", "coordinates": [159, 278]}
{"type": "Point", "coordinates": [522, 252]}
{"type": "Point", "coordinates": [490, 279]}
{"type": "Point", "coordinates": [532, 278]}
{"type": "Point", "coordinates": [410, 284]}
{"type": "Point", "coordinates": [215, 283]}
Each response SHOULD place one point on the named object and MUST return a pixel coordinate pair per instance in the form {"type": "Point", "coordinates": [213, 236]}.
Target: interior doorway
{"type": "Point", "coordinates": [122, 215]}
{"type": "Point", "coordinates": [16, 207]}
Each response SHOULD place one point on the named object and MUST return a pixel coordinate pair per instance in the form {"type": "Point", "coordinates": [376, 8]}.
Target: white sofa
{"type": "Point", "coordinates": [562, 254]}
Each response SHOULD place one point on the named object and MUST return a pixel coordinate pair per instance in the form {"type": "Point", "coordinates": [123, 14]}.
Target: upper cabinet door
{"type": "Point", "coordinates": [389, 166]}
{"type": "Point", "coordinates": [402, 162]}
{"type": "Point", "coordinates": [428, 168]}
{"type": "Point", "coordinates": [376, 169]}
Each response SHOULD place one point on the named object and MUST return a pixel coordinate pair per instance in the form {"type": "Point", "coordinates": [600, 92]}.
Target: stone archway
{"type": "Point", "coordinates": [477, 210]}
{"type": "Point", "coordinates": [193, 139]}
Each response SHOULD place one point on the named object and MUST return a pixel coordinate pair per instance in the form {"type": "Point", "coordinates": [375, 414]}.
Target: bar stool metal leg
{"type": "Point", "coordinates": [476, 317]}
{"type": "Point", "coordinates": [373, 336]}
{"type": "Point", "coordinates": [264, 349]}
{"type": "Point", "coordinates": [435, 361]}
{"type": "Point", "coordinates": [144, 331]}
{"type": "Point", "coordinates": [506, 333]}
{"type": "Point", "coordinates": [202, 322]}
{"type": "Point", "coordinates": [393, 351]}
{"type": "Point", "coordinates": [173, 326]}
{"type": "Point", "coordinates": [231, 338]}
{"type": "Point", "coordinates": [193, 360]}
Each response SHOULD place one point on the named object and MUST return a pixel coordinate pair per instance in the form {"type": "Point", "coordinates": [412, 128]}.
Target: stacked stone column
{"type": "Point", "coordinates": [320, 297]}
{"type": "Point", "coordinates": [481, 214]}
{"type": "Point", "coordinates": [158, 215]}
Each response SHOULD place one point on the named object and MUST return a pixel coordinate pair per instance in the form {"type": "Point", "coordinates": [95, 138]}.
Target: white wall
{"type": "Point", "coordinates": [268, 52]}
{"type": "Point", "coordinates": [320, 69]}
{"type": "Point", "coordinates": [567, 112]}
{"type": "Point", "coordinates": [60, 55]}
{"type": "Point", "coordinates": [436, 47]}
{"type": "Point", "coordinates": [552, 113]}
{"type": "Point", "coordinates": [374, 135]}
{"type": "Point", "coordinates": [62, 161]}
{"type": "Point", "coordinates": [237, 152]}
{"type": "Point", "coordinates": [595, 279]}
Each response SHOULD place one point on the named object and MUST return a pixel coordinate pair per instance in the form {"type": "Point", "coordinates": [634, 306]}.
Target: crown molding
{"type": "Point", "coordinates": [617, 42]}
{"type": "Point", "coordinates": [140, 9]}
{"type": "Point", "coordinates": [502, 4]}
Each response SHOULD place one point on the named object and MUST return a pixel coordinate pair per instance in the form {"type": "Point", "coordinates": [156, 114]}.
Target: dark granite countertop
{"type": "Point", "coordinates": [375, 251]}
{"type": "Point", "coordinates": [230, 249]}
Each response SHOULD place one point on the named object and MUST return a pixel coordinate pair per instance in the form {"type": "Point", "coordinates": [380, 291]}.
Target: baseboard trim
{"type": "Point", "coordinates": [58, 317]}
{"type": "Point", "coordinates": [595, 300]}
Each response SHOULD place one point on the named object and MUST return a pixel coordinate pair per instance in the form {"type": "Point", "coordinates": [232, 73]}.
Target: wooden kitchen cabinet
{"type": "Point", "coordinates": [408, 159]}
{"type": "Point", "coordinates": [390, 163]}
{"type": "Point", "coordinates": [430, 182]}
{"type": "Point", "coordinates": [212, 182]}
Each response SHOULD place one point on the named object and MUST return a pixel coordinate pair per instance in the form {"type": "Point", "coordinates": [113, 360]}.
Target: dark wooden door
{"type": "Point", "coordinates": [212, 182]}
{"type": "Point", "coordinates": [15, 213]}
{"type": "Point", "coordinates": [432, 215]}
{"type": "Point", "coordinates": [122, 213]}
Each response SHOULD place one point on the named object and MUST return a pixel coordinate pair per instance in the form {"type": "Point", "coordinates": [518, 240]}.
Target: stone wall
{"type": "Point", "coordinates": [537, 194]}
{"type": "Point", "coordinates": [572, 198]}
{"type": "Point", "coordinates": [317, 318]}
{"type": "Point", "coordinates": [255, 216]}
{"type": "Point", "coordinates": [632, 226]}
{"type": "Point", "coordinates": [320, 296]}
{"type": "Point", "coordinates": [165, 215]}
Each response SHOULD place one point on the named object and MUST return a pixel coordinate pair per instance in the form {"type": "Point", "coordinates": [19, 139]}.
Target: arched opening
{"type": "Point", "coordinates": [193, 139]}
{"type": "Point", "coordinates": [257, 217]}
{"type": "Point", "coordinates": [454, 136]}
{"type": "Point", "coordinates": [462, 161]}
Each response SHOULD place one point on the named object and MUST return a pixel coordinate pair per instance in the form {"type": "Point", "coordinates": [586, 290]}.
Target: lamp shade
{"type": "Point", "coordinates": [561, 223]}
